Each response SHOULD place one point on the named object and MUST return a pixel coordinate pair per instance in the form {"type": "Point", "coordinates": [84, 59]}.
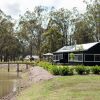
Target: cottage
{"type": "Point", "coordinates": [87, 54]}
{"type": "Point", "coordinates": [48, 56]}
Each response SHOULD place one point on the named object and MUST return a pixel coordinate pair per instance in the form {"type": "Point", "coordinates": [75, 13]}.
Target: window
{"type": "Point", "coordinates": [58, 56]}
{"type": "Point", "coordinates": [97, 57]}
{"type": "Point", "coordinates": [54, 57]}
{"type": "Point", "coordinates": [76, 57]}
{"type": "Point", "coordinates": [89, 57]}
{"type": "Point", "coordinates": [92, 57]}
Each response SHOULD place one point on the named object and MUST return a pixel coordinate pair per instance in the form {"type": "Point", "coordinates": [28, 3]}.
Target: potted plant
{"type": "Point", "coordinates": [71, 56]}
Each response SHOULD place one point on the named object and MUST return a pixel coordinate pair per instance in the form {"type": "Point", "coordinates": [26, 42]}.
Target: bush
{"type": "Point", "coordinates": [95, 70]}
{"type": "Point", "coordinates": [72, 56]}
{"type": "Point", "coordinates": [45, 65]}
{"type": "Point", "coordinates": [71, 71]}
{"type": "Point", "coordinates": [55, 70]}
{"type": "Point", "coordinates": [82, 70]}
{"type": "Point", "coordinates": [64, 71]}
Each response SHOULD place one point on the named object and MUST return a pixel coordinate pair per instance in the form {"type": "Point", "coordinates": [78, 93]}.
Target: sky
{"type": "Point", "coordinates": [18, 7]}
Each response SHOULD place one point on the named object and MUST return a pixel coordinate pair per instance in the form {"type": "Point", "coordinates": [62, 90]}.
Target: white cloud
{"type": "Point", "coordinates": [13, 9]}
{"type": "Point", "coordinates": [16, 7]}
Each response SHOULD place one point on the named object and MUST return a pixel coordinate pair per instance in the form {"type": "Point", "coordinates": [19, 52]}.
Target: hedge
{"type": "Point", "coordinates": [66, 70]}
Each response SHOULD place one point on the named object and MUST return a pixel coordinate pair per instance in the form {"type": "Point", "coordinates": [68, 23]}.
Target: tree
{"type": "Point", "coordinates": [61, 19]}
{"type": "Point", "coordinates": [31, 29]}
{"type": "Point", "coordinates": [93, 17]}
{"type": "Point", "coordinates": [52, 41]}
{"type": "Point", "coordinates": [83, 33]}
{"type": "Point", "coordinates": [9, 45]}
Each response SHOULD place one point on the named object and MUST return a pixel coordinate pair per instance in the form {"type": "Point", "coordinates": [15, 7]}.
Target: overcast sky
{"type": "Point", "coordinates": [17, 7]}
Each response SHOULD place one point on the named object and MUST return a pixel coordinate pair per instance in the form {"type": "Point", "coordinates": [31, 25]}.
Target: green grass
{"type": "Point", "coordinates": [64, 88]}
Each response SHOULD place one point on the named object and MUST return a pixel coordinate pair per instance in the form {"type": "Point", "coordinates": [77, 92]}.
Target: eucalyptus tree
{"type": "Point", "coordinates": [83, 32]}
{"type": "Point", "coordinates": [61, 19]}
{"type": "Point", "coordinates": [9, 46]}
{"type": "Point", "coordinates": [53, 40]}
{"type": "Point", "coordinates": [31, 29]}
{"type": "Point", "coordinates": [93, 17]}
{"type": "Point", "coordinates": [87, 27]}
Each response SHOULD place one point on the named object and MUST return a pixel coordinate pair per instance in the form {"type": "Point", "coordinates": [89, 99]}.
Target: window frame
{"type": "Point", "coordinates": [94, 57]}
{"type": "Point", "coordinates": [74, 58]}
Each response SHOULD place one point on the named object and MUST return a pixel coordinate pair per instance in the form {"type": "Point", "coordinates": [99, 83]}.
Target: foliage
{"type": "Point", "coordinates": [10, 47]}
{"type": "Point", "coordinates": [52, 38]}
{"type": "Point", "coordinates": [31, 29]}
{"type": "Point", "coordinates": [65, 70]}
{"type": "Point", "coordinates": [92, 17]}
{"type": "Point", "coordinates": [71, 56]}
{"type": "Point", "coordinates": [82, 70]}
{"type": "Point", "coordinates": [95, 70]}
{"type": "Point", "coordinates": [56, 70]}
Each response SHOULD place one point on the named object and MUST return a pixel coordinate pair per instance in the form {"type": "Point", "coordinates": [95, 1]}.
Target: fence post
{"type": "Point", "coordinates": [26, 66]}
{"type": "Point", "coordinates": [8, 67]}
{"type": "Point", "coordinates": [17, 67]}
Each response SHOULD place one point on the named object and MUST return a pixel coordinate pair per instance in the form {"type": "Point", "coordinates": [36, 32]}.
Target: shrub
{"type": "Point", "coordinates": [87, 70]}
{"type": "Point", "coordinates": [95, 70]}
{"type": "Point", "coordinates": [71, 71]}
{"type": "Point", "coordinates": [63, 71]}
{"type": "Point", "coordinates": [72, 56]}
{"type": "Point", "coordinates": [82, 70]}
{"type": "Point", "coordinates": [45, 65]}
{"type": "Point", "coordinates": [55, 70]}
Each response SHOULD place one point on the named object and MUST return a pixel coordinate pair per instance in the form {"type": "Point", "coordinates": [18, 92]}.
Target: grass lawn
{"type": "Point", "coordinates": [64, 88]}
